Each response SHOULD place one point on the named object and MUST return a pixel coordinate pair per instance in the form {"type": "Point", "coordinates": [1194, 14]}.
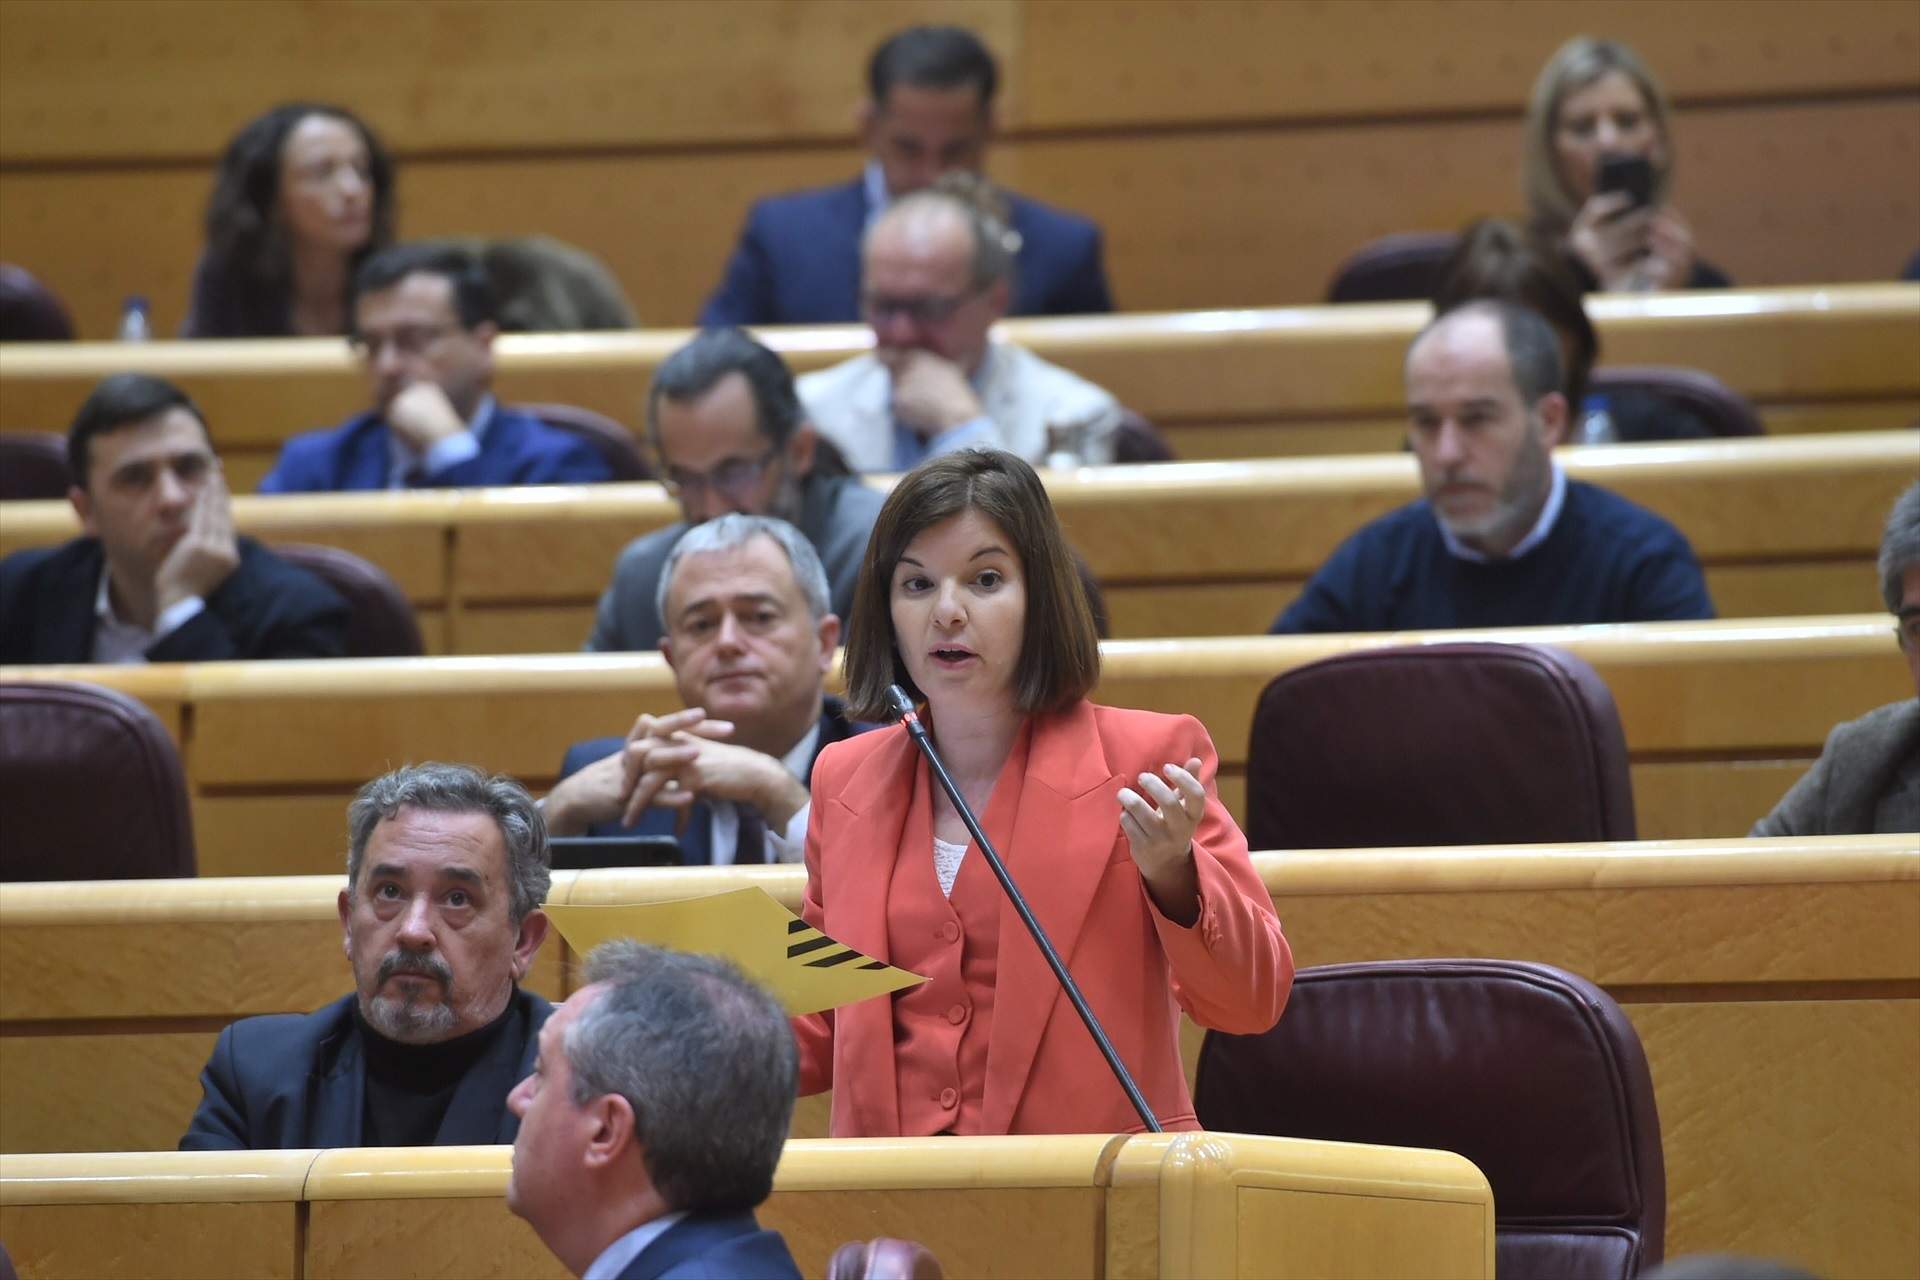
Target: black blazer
{"type": "Point", "coordinates": [714, 1246]}
{"type": "Point", "coordinates": [266, 608]}
{"type": "Point", "coordinates": [696, 843]}
{"type": "Point", "coordinates": [292, 1080]}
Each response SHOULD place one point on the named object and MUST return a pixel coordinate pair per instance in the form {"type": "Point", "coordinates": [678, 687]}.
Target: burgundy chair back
{"type": "Point", "coordinates": [382, 623]}
{"type": "Point", "coordinates": [613, 442]}
{"type": "Point", "coordinates": [1438, 744]}
{"type": "Point", "coordinates": [1397, 268]}
{"type": "Point", "coordinates": [33, 464]}
{"type": "Point", "coordinates": [883, 1258]}
{"type": "Point", "coordinates": [1724, 411]}
{"type": "Point", "coordinates": [1137, 440]}
{"type": "Point", "coordinates": [90, 787]}
{"type": "Point", "coordinates": [1529, 1071]}
{"type": "Point", "coordinates": [29, 311]}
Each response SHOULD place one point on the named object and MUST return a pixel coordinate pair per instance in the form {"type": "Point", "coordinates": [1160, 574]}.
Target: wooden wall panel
{"type": "Point", "coordinates": [521, 76]}
{"type": "Point", "coordinates": [1221, 60]}
{"type": "Point", "coordinates": [183, 1241]}
{"type": "Point", "coordinates": [1234, 216]}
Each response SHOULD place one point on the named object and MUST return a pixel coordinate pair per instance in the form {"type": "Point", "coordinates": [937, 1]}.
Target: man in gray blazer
{"type": "Point", "coordinates": [1868, 777]}
{"type": "Point", "coordinates": [731, 436]}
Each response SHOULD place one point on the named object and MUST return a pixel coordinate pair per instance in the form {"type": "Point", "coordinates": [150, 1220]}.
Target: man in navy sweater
{"type": "Point", "coordinates": [930, 110]}
{"type": "Point", "coordinates": [1502, 537]}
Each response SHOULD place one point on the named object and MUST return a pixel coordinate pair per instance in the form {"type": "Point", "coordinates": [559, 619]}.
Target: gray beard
{"type": "Point", "coordinates": [408, 1021]}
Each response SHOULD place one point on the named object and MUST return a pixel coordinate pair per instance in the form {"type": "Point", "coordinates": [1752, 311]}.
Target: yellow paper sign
{"type": "Point", "coordinates": [805, 969]}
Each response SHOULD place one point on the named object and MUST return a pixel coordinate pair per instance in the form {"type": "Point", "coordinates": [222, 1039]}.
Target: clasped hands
{"type": "Point", "coordinates": [673, 761]}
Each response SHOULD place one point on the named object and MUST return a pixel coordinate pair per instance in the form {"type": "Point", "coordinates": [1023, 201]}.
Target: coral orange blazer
{"type": "Point", "coordinates": [1231, 970]}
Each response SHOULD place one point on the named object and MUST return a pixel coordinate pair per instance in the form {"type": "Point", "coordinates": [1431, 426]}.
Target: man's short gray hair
{"type": "Point", "coordinates": [981, 208]}
{"type": "Point", "coordinates": [735, 530]}
{"type": "Point", "coordinates": [705, 1058]}
{"type": "Point", "coordinates": [460, 788]}
{"type": "Point", "coordinates": [1900, 545]}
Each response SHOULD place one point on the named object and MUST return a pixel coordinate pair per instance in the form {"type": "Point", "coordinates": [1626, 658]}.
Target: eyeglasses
{"type": "Point", "coordinates": [735, 479]}
{"type": "Point", "coordinates": [922, 311]}
{"type": "Point", "coordinates": [408, 340]}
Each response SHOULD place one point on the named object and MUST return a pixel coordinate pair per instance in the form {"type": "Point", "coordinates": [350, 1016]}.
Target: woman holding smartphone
{"type": "Point", "coordinates": [1599, 166]}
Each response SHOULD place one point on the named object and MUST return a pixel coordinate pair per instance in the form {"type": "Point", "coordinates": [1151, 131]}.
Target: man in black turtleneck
{"type": "Point", "coordinates": [446, 871]}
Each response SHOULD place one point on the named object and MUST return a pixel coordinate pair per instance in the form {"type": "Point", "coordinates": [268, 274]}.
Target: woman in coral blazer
{"type": "Point", "coordinates": [1107, 819]}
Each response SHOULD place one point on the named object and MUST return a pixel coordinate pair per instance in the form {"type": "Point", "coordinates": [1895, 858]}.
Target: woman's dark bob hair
{"type": "Point", "coordinates": [1059, 650]}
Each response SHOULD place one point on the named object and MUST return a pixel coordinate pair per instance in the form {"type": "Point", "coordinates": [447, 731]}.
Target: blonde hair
{"type": "Point", "coordinates": [1575, 65]}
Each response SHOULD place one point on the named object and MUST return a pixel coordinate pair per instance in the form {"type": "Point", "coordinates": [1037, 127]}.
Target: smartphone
{"type": "Point", "coordinates": [1631, 174]}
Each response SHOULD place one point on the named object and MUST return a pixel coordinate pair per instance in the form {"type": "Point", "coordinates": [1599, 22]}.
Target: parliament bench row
{"type": "Point", "coordinates": [1720, 717]}
{"type": "Point", "coordinates": [1145, 1207]}
{"type": "Point", "coordinates": [1781, 526]}
{"type": "Point", "coordinates": [1774, 984]}
{"type": "Point", "coordinates": [1220, 384]}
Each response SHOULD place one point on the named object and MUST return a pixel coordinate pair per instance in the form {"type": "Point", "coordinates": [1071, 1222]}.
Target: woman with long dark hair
{"type": "Point", "coordinates": [304, 193]}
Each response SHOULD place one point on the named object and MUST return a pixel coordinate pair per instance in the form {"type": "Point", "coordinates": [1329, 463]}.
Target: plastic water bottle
{"type": "Point", "coordinates": [1596, 426]}
{"type": "Point", "coordinates": [134, 325]}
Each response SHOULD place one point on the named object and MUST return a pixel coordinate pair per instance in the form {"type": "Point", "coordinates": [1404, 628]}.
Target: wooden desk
{"type": "Point", "coordinates": [1720, 717]}
{"type": "Point", "coordinates": [1774, 983]}
{"type": "Point", "coordinates": [1175, 1206]}
{"type": "Point", "coordinates": [1264, 382]}
{"type": "Point", "coordinates": [1782, 527]}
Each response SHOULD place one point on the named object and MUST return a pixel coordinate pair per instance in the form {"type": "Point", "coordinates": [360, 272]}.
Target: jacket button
{"type": "Point", "coordinates": [957, 1014]}
{"type": "Point", "coordinates": [949, 1099]}
{"type": "Point", "coordinates": [949, 931]}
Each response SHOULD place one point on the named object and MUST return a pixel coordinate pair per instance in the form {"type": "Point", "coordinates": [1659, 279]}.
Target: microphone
{"type": "Point", "coordinates": [903, 707]}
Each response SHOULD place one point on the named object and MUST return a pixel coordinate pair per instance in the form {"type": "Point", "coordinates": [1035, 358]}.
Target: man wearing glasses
{"type": "Point", "coordinates": [936, 273]}
{"type": "Point", "coordinates": [729, 435]}
{"type": "Point", "coordinates": [423, 328]}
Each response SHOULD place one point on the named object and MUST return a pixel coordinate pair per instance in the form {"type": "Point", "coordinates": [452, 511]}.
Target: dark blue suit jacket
{"type": "Point", "coordinates": [714, 1246]}
{"type": "Point", "coordinates": [798, 261]}
{"type": "Point", "coordinates": [292, 1080]}
{"type": "Point", "coordinates": [517, 449]}
{"type": "Point", "coordinates": [696, 842]}
{"type": "Point", "coordinates": [266, 608]}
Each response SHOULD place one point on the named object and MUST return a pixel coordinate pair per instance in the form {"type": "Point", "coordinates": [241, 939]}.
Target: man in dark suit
{"type": "Point", "coordinates": [750, 637]}
{"type": "Point", "coordinates": [651, 1128]}
{"type": "Point", "coordinates": [446, 871]}
{"type": "Point", "coordinates": [424, 325]}
{"type": "Point", "coordinates": [160, 575]}
{"type": "Point", "coordinates": [726, 422]}
{"type": "Point", "coordinates": [930, 110]}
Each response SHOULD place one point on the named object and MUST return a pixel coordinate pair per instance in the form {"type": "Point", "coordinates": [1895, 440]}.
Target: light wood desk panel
{"type": "Point", "coordinates": [1782, 526]}
{"type": "Point", "coordinates": [1023, 1207]}
{"type": "Point", "coordinates": [1701, 702]}
{"type": "Point", "coordinates": [1292, 379]}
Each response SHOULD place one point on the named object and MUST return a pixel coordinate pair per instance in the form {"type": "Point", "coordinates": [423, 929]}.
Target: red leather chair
{"type": "Point", "coordinates": [612, 441]}
{"type": "Point", "coordinates": [90, 787]}
{"type": "Point", "coordinates": [1137, 440]}
{"type": "Point", "coordinates": [383, 624]}
{"type": "Point", "coordinates": [33, 464]}
{"type": "Point", "coordinates": [1437, 744]}
{"type": "Point", "coordinates": [1396, 268]}
{"type": "Point", "coordinates": [883, 1258]}
{"type": "Point", "coordinates": [29, 311]}
{"type": "Point", "coordinates": [1529, 1071]}
{"type": "Point", "coordinates": [1724, 411]}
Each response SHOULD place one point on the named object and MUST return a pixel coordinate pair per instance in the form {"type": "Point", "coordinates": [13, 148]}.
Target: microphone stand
{"type": "Point", "coordinates": [903, 707]}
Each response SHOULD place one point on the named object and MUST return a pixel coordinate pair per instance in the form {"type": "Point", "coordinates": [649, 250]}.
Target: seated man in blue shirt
{"type": "Point", "coordinates": [423, 326]}
{"type": "Point", "coordinates": [930, 112]}
{"type": "Point", "coordinates": [936, 272]}
{"type": "Point", "coordinates": [1502, 537]}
